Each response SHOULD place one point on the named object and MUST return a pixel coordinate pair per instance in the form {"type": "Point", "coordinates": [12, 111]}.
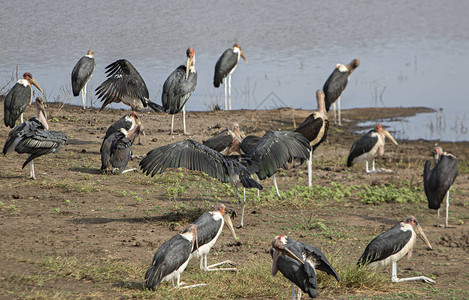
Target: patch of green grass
{"type": "Point", "coordinates": [391, 193]}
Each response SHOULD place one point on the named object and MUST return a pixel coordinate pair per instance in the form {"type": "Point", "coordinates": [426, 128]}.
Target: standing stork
{"type": "Point", "coordinates": [116, 150]}
{"type": "Point", "coordinates": [394, 244]}
{"type": "Point", "coordinates": [227, 141]}
{"type": "Point", "coordinates": [128, 122]}
{"type": "Point", "coordinates": [195, 156]}
{"type": "Point", "coordinates": [33, 137]}
{"type": "Point", "coordinates": [209, 227]}
{"type": "Point", "coordinates": [18, 98]}
{"type": "Point", "coordinates": [315, 128]}
{"type": "Point", "coordinates": [178, 87]}
{"type": "Point", "coordinates": [124, 84]}
{"type": "Point", "coordinates": [226, 65]}
{"type": "Point", "coordinates": [438, 181]}
{"type": "Point", "coordinates": [81, 73]}
{"type": "Point", "coordinates": [336, 83]}
{"type": "Point", "coordinates": [298, 262]}
{"type": "Point", "coordinates": [368, 147]}
{"type": "Point", "coordinates": [171, 259]}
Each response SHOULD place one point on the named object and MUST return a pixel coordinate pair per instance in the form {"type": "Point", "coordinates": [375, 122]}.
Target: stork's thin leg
{"type": "Point", "coordinates": [335, 113]}
{"type": "Point", "coordinates": [184, 119]}
{"type": "Point", "coordinates": [83, 95]}
{"type": "Point", "coordinates": [129, 170]}
{"type": "Point", "coordinates": [31, 170]}
{"type": "Point", "coordinates": [226, 95]}
{"type": "Point", "coordinates": [373, 169]}
{"type": "Point", "coordinates": [395, 279]}
{"type": "Point", "coordinates": [21, 117]}
{"type": "Point", "coordinates": [447, 208]}
{"type": "Point", "coordinates": [212, 267]}
{"type": "Point", "coordinates": [298, 295]}
{"type": "Point", "coordinates": [172, 125]}
{"type": "Point", "coordinates": [437, 218]}
{"type": "Point", "coordinates": [310, 168]}
{"type": "Point", "coordinates": [229, 92]}
{"type": "Point", "coordinates": [338, 106]}
{"type": "Point", "coordinates": [258, 191]}
{"type": "Point", "coordinates": [242, 213]}
{"type": "Point", "coordinates": [276, 186]}
{"type": "Point", "coordinates": [366, 167]}
{"type": "Point", "coordinates": [293, 294]}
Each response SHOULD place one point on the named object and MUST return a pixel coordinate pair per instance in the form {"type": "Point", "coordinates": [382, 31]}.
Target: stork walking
{"type": "Point", "coordinates": [298, 262]}
{"type": "Point", "coordinates": [392, 245]}
{"type": "Point", "coordinates": [81, 74]}
{"type": "Point", "coordinates": [209, 227]}
{"type": "Point", "coordinates": [368, 147]}
{"type": "Point", "coordinates": [225, 66]}
{"type": "Point", "coordinates": [315, 128]}
{"type": "Point", "coordinates": [336, 83]}
{"type": "Point", "coordinates": [18, 99]}
{"type": "Point", "coordinates": [34, 138]}
{"type": "Point", "coordinates": [438, 181]}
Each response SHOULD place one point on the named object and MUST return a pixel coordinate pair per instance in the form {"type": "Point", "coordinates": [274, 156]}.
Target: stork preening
{"type": "Point", "coordinates": [18, 98]}
{"type": "Point", "coordinates": [178, 87]}
{"type": "Point", "coordinates": [128, 122]}
{"type": "Point", "coordinates": [193, 155]}
{"type": "Point", "coordinates": [124, 84]}
{"type": "Point", "coordinates": [227, 141]}
{"type": "Point", "coordinates": [368, 147]}
{"type": "Point", "coordinates": [116, 150]}
{"type": "Point", "coordinates": [298, 262]}
{"type": "Point", "coordinates": [209, 227]}
{"type": "Point", "coordinates": [225, 66]}
{"type": "Point", "coordinates": [81, 73]}
{"type": "Point", "coordinates": [34, 138]}
{"type": "Point", "coordinates": [336, 83]}
{"type": "Point", "coordinates": [171, 259]}
{"type": "Point", "coordinates": [315, 128]}
{"type": "Point", "coordinates": [394, 244]}
{"type": "Point", "coordinates": [438, 181]}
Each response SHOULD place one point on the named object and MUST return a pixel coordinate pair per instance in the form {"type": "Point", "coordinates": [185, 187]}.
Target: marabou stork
{"type": "Point", "coordinates": [33, 137]}
{"type": "Point", "coordinates": [18, 98]}
{"type": "Point", "coordinates": [124, 84]}
{"type": "Point", "coordinates": [209, 227]}
{"type": "Point", "coordinates": [81, 73]}
{"type": "Point", "coordinates": [193, 155]}
{"type": "Point", "coordinates": [438, 181]}
{"type": "Point", "coordinates": [178, 87]}
{"type": "Point", "coordinates": [368, 147]}
{"type": "Point", "coordinates": [171, 259]}
{"type": "Point", "coordinates": [226, 65]}
{"type": "Point", "coordinates": [336, 84]}
{"type": "Point", "coordinates": [227, 141]}
{"type": "Point", "coordinates": [275, 150]}
{"type": "Point", "coordinates": [394, 244]}
{"type": "Point", "coordinates": [298, 262]}
{"type": "Point", "coordinates": [315, 128]}
{"type": "Point", "coordinates": [128, 122]}
{"type": "Point", "coordinates": [116, 150]}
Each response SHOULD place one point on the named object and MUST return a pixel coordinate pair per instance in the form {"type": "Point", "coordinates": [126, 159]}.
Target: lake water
{"type": "Point", "coordinates": [412, 53]}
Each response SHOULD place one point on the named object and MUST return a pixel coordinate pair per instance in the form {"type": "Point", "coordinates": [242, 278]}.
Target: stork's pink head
{"type": "Point", "coordinates": [221, 208]}
{"type": "Point", "coordinates": [27, 76]}
{"type": "Point", "coordinates": [411, 220]}
{"type": "Point", "coordinates": [236, 45]}
{"type": "Point", "coordinates": [379, 127]}
{"type": "Point", "coordinates": [91, 53]}
{"type": "Point", "coordinates": [437, 152]}
{"type": "Point", "coordinates": [190, 52]}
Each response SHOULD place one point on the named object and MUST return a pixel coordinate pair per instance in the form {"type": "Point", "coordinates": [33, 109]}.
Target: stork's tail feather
{"type": "Point", "coordinates": [155, 107]}
{"type": "Point", "coordinates": [150, 276]}
{"type": "Point", "coordinates": [248, 182]}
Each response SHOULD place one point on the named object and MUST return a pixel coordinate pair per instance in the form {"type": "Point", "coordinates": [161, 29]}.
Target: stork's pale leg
{"type": "Point", "coordinates": [276, 186]}
{"type": "Point", "coordinates": [184, 120]}
{"type": "Point", "coordinates": [293, 293]}
{"type": "Point", "coordinates": [258, 191]}
{"type": "Point", "coordinates": [172, 125]}
{"type": "Point", "coordinates": [226, 95]}
{"type": "Point", "coordinates": [22, 118]}
{"type": "Point", "coordinates": [335, 116]}
{"type": "Point", "coordinates": [447, 208]}
{"type": "Point", "coordinates": [129, 170]}
{"type": "Point", "coordinates": [212, 267]}
{"type": "Point", "coordinates": [310, 168]}
{"type": "Point", "coordinates": [229, 92]}
{"type": "Point", "coordinates": [395, 279]}
{"type": "Point", "coordinates": [366, 167]}
{"type": "Point", "coordinates": [338, 106]}
{"type": "Point", "coordinates": [373, 169]}
{"type": "Point", "coordinates": [298, 295]}
{"type": "Point", "coordinates": [83, 95]}
{"type": "Point", "coordinates": [242, 213]}
{"type": "Point", "coordinates": [31, 170]}
{"type": "Point", "coordinates": [437, 218]}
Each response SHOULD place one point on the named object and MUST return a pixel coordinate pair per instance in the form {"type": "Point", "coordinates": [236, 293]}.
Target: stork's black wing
{"type": "Point", "coordinates": [81, 73]}
{"type": "Point", "coordinates": [439, 180]}
{"type": "Point", "coordinates": [249, 143]}
{"type": "Point", "coordinates": [314, 128]}
{"type": "Point", "coordinates": [207, 229]}
{"type": "Point", "coordinates": [363, 145]}
{"type": "Point", "coordinates": [334, 86]}
{"type": "Point", "coordinates": [227, 61]}
{"type": "Point", "coordinates": [276, 149]}
{"type": "Point", "coordinates": [319, 260]}
{"type": "Point", "coordinates": [177, 90]}
{"type": "Point", "coordinates": [221, 141]}
{"type": "Point", "coordinates": [15, 103]}
{"type": "Point", "coordinates": [385, 245]}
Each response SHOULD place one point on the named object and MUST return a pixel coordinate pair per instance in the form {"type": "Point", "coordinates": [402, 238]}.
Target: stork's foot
{"type": "Point", "coordinates": [136, 157]}
{"type": "Point", "coordinates": [386, 170]}
{"type": "Point", "coordinates": [191, 286]}
{"type": "Point", "coordinates": [227, 262]}
{"type": "Point", "coordinates": [233, 213]}
{"type": "Point", "coordinates": [428, 280]}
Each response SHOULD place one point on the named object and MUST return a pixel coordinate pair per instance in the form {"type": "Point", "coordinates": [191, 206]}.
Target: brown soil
{"type": "Point", "coordinates": [62, 215]}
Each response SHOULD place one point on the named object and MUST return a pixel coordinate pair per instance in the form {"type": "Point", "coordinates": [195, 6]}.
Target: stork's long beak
{"type": "Point", "coordinates": [33, 82]}
{"type": "Point", "coordinates": [196, 242]}
{"type": "Point", "coordinates": [389, 136]}
{"type": "Point", "coordinates": [421, 234]}
{"type": "Point", "coordinates": [188, 65]}
{"type": "Point", "coordinates": [229, 224]}
{"type": "Point", "coordinates": [277, 245]}
{"type": "Point", "coordinates": [244, 57]}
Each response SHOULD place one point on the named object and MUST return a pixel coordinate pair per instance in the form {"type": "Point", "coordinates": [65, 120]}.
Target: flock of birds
{"type": "Point", "coordinates": [230, 157]}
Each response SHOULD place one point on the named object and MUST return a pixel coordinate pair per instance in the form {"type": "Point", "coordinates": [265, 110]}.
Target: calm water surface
{"type": "Point", "coordinates": [413, 53]}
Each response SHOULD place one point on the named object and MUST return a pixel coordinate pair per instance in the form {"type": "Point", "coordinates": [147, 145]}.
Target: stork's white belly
{"type": "Point", "coordinates": [177, 272]}
{"type": "Point", "coordinates": [372, 153]}
{"type": "Point", "coordinates": [133, 102]}
{"type": "Point", "coordinates": [397, 256]}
